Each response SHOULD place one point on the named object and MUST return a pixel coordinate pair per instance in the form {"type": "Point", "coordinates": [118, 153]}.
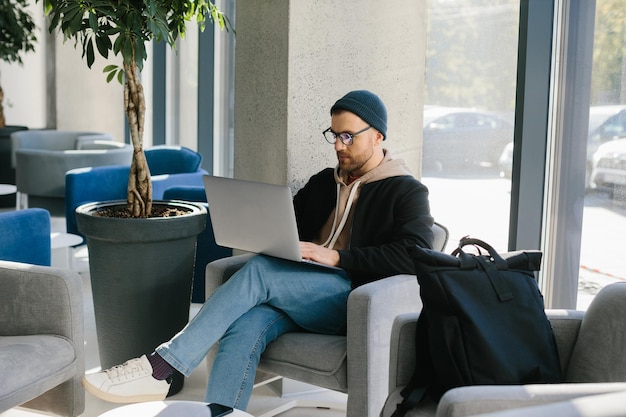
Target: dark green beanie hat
{"type": "Point", "coordinates": [367, 105]}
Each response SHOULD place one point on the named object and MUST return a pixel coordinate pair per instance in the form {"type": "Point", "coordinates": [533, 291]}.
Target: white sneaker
{"type": "Point", "coordinates": [128, 383]}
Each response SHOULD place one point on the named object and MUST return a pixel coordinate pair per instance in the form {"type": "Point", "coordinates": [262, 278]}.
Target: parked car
{"type": "Point", "coordinates": [505, 162]}
{"type": "Point", "coordinates": [606, 123]}
{"type": "Point", "coordinates": [609, 166]}
{"type": "Point", "coordinates": [461, 138]}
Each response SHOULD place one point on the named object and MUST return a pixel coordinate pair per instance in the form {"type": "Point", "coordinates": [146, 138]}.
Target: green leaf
{"type": "Point", "coordinates": [104, 44]}
{"type": "Point", "coordinates": [90, 54]}
{"type": "Point", "coordinates": [93, 22]}
{"type": "Point", "coordinates": [117, 45]}
{"type": "Point", "coordinates": [110, 76]}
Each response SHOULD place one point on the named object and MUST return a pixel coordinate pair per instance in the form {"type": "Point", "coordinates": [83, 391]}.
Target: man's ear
{"type": "Point", "coordinates": [379, 137]}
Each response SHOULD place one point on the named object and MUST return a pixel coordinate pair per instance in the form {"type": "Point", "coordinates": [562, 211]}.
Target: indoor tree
{"type": "Point", "coordinates": [17, 36]}
{"type": "Point", "coordinates": [124, 27]}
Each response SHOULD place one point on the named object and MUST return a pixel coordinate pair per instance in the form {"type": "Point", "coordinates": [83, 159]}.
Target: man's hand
{"type": "Point", "coordinates": [319, 254]}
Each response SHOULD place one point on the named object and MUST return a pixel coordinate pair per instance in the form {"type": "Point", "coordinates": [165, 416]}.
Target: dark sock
{"type": "Point", "coordinates": [160, 368]}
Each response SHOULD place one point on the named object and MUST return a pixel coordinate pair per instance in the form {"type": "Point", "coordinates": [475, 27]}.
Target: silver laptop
{"type": "Point", "coordinates": [254, 217]}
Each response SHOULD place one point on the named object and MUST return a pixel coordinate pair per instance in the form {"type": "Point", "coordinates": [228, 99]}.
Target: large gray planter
{"type": "Point", "coordinates": [141, 277]}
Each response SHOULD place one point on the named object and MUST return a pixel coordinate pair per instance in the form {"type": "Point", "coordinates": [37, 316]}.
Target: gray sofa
{"type": "Point", "coordinates": [41, 339]}
{"type": "Point", "coordinates": [591, 346]}
{"type": "Point", "coordinates": [42, 157]}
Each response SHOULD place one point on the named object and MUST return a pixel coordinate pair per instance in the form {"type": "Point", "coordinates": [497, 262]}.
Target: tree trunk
{"type": "Point", "coordinates": [2, 120]}
{"type": "Point", "coordinates": [139, 184]}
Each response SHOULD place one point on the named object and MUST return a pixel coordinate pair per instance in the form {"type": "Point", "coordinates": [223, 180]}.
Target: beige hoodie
{"type": "Point", "coordinates": [335, 233]}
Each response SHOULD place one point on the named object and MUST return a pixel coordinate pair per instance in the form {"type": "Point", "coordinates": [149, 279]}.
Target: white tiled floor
{"type": "Point", "coordinates": [263, 398]}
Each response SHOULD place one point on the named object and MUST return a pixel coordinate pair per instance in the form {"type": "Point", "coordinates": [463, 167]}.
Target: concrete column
{"type": "Point", "coordinates": [295, 58]}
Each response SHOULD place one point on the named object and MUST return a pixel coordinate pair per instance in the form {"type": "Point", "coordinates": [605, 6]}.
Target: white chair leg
{"type": "Point", "coordinates": [21, 201]}
{"type": "Point", "coordinates": [295, 397]}
{"type": "Point", "coordinates": [302, 403]}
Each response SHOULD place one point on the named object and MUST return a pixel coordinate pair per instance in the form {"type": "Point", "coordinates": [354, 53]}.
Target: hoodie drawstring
{"type": "Point", "coordinates": [335, 233]}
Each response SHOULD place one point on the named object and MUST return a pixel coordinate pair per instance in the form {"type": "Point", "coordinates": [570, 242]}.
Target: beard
{"type": "Point", "coordinates": [350, 162]}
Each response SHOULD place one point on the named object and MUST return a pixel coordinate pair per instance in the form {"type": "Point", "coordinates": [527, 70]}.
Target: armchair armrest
{"type": "Point", "coordinates": [607, 405]}
{"type": "Point", "coordinates": [565, 326]}
{"type": "Point", "coordinates": [220, 270]}
{"type": "Point", "coordinates": [372, 309]}
{"type": "Point", "coordinates": [402, 350]}
{"type": "Point", "coordinates": [469, 401]}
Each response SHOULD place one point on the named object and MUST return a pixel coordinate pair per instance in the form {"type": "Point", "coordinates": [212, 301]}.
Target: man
{"type": "Point", "coordinates": [360, 216]}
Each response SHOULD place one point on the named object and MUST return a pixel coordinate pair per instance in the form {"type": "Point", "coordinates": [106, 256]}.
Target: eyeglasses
{"type": "Point", "coordinates": [345, 137]}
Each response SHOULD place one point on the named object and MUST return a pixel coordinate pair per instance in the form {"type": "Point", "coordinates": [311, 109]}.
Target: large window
{"type": "Point", "coordinates": [604, 215]}
{"type": "Point", "coordinates": [469, 116]}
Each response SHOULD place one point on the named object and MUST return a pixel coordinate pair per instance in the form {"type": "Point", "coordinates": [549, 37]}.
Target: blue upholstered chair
{"type": "Point", "coordinates": [169, 166]}
{"type": "Point", "coordinates": [207, 250]}
{"type": "Point", "coordinates": [25, 236]}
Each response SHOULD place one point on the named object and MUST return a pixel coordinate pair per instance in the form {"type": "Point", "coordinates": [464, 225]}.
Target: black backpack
{"type": "Point", "coordinates": [482, 323]}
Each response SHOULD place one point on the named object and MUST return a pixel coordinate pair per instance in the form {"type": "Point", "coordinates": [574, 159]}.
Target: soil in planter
{"type": "Point", "coordinates": [122, 212]}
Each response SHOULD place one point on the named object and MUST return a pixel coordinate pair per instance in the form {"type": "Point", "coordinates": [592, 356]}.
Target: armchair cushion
{"type": "Point", "coordinates": [324, 364]}
{"type": "Point", "coordinates": [27, 360]}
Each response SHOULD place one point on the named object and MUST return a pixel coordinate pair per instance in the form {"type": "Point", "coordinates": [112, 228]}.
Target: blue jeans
{"type": "Point", "coordinates": [263, 300]}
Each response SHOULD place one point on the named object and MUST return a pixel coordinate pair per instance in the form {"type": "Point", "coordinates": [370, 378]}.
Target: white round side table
{"type": "Point", "coordinates": [168, 409]}
{"type": "Point", "coordinates": [6, 189]}
{"type": "Point", "coordinates": [64, 241]}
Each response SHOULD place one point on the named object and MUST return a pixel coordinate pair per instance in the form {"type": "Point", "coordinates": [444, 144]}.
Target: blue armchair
{"type": "Point", "coordinates": [169, 166]}
{"type": "Point", "coordinates": [207, 250]}
{"type": "Point", "coordinates": [26, 236]}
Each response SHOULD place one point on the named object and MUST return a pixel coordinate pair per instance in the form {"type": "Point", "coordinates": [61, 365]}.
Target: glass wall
{"type": "Point", "coordinates": [468, 135]}
{"type": "Point", "coordinates": [471, 68]}
{"type": "Point", "coordinates": [195, 107]}
{"type": "Point", "coordinates": [604, 216]}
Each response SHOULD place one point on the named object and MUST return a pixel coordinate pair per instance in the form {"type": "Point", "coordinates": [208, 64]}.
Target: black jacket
{"type": "Point", "coordinates": [390, 215]}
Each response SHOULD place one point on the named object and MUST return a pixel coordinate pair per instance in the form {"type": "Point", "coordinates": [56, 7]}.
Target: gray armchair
{"type": "Point", "coordinates": [356, 364]}
{"type": "Point", "coordinates": [42, 157]}
{"type": "Point", "coordinates": [591, 348]}
{"type": "Point", "coordinates": [41, 339]}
